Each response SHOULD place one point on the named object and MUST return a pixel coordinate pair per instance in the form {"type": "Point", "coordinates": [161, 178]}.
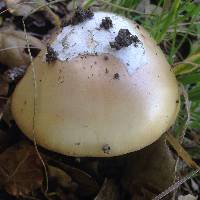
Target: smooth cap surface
{"type": "Point", "coordinates": [98, 102]}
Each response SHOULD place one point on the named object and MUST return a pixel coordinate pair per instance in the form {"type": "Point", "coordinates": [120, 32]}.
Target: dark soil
{"type": "Point", "coordinates": [81, 15]}
{"type": "Point", "coordinates": [116, 76]}
{"type": "Point", "coordinates": [106, 23]}
{"type": "Point", "coordinates": [124, 39]}
{"type": "Point", "coordinates": [51, 55]}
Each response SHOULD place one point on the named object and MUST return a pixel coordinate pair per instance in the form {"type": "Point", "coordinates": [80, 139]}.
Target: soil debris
{"type": "Point", "coordinates": [116, 76]}
{"type": "Point", "coordinates": [106, 58]}
{"type": "Point", "coordinates": [51, 55]}
{"type": "Point", "coordinates": [106, 23]}
{"type": "Point", "coordinates": [81, 15]}
{"type": "Point", "coordinates": [106, 148]}
{"type": "Point", "coordinates": [21, 170]}
{"type": "Point", "coordinates": [124, 39]}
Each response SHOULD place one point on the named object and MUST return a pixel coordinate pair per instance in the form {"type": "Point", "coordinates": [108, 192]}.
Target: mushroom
{"type": "Point", "coordinates": [104, 88]}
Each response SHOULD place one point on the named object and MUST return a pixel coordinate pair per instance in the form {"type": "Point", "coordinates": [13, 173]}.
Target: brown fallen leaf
{"type": "Point", "coordinates": [4, 140]}
{"type": "Point", "coordinates": [5, 112]}
{"type": "Point", "coordinates": [2, 106]}
{"type": "Point", "coordinates": [26, 8]}
{"type": "Point", "coordinates": [3, 95]}
{"type": "Point", "coordinates": [61, 177]}
{"type": "Point", "coordinates": [182, 153]}
{"type": "Point", "coordinates": [23, 7]}
{"type": "Point", "coordinates": [7, 138]}
{"type": "Point", "coordinates": [147, 7]}
{"type": "Point", "coordinates": [109, 191]}
{"type": "Point", "coordinates": [87, 186]}
{"type": "Point", "coordinates": [13, 47]}
{"type": "Point", "coordinates": [3, 88]}
{"type": "Point", "coordinates": [62, 195]}
{"type": "Point", "coordinates": [21, 171]}
{"type": "Point", "coordinates": [149, 171]}
{"type": "Point", "coordinates": [187, 197]}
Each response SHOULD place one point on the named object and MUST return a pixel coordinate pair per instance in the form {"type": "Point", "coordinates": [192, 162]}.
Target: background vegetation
{"type": "Point", "coordinates": [175, 26]}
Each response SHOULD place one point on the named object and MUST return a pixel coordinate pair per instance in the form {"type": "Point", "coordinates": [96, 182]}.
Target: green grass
{"type": "Point", "coordinates": [172, 24]}
{"type": "Point", "coordinates": [175, 26]}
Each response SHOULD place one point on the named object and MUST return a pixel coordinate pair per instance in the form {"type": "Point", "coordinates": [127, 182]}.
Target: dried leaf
{"type": "Point", "coordinates": [62, 178]}
{"type": "Point", "coordinates": [2, 106]}
{"type": "Point", "coordinates": [146, 7]}
{"type": "Point", "coordinates": [3, 140]}
{"type": "Point", "coordinates": [13, 47]}
{"type": "Point", "coordinates": [149, 171]}
{"type": "Point", "coordinates": [3, 88]}
{"type": "Point", "coordinates": [181, 151]}
{"type": "Point", "coordinates": [87, 186]}
{"type": "Point", "coordinates": [190, 64]}
{"type": "Point", "coordinates": [1, 110]}
{"type": "Point", "coordinates": [195, 185]}
{"type": "Point", "coordinates": [21, 171]}
{"type": "Point", "coordinates": [6, 112]}
{"type": "Point", "coordinates": [149, 9]}
{"type": "Point", "coordinates": [7, 138]}
{"type": "Point", "coordinates": [3, 95]}
{"type": "Point", "coordinates": [109, 191]}
{"type": "Point", "coordinates": [23, 7]}
{"type": "Point", "coordinates": [187, 197]}
{"type": "Point", "coordinates": [26, 8]}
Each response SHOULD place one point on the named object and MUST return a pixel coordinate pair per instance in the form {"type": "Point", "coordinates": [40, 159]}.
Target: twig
{"type": "Point", "coordinates": [18, 4]}
{"type": "Point", "coordinates": [16, 47]}
{"type": "Point", "coordinates": [176, 185]}
{"type": "Point", "coordinates": [187, 106]}
{"type": "Point", "coordinates": [45, 5]}
{"type": "Point", "coordinates": [182, 153]}
{"type": "Point", "coordinates": [34, 107]}
{"type": "Point", "coordinates": [3, 97]}
{"type": "Point", "coordinates": [186, 62]}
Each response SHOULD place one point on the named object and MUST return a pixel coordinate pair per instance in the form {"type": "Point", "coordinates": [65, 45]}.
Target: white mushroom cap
{"type": "Point", "coordinates": [95, 100]}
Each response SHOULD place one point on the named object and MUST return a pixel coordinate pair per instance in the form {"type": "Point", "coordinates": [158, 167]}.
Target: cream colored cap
{"type": "Point", "coordinates": [95, 100]}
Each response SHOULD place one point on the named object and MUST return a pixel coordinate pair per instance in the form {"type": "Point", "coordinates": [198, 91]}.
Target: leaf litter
{"type": "Point", "coordinates": [23, 173]}
{"type": "Point", "coordinates": [13, 47]}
